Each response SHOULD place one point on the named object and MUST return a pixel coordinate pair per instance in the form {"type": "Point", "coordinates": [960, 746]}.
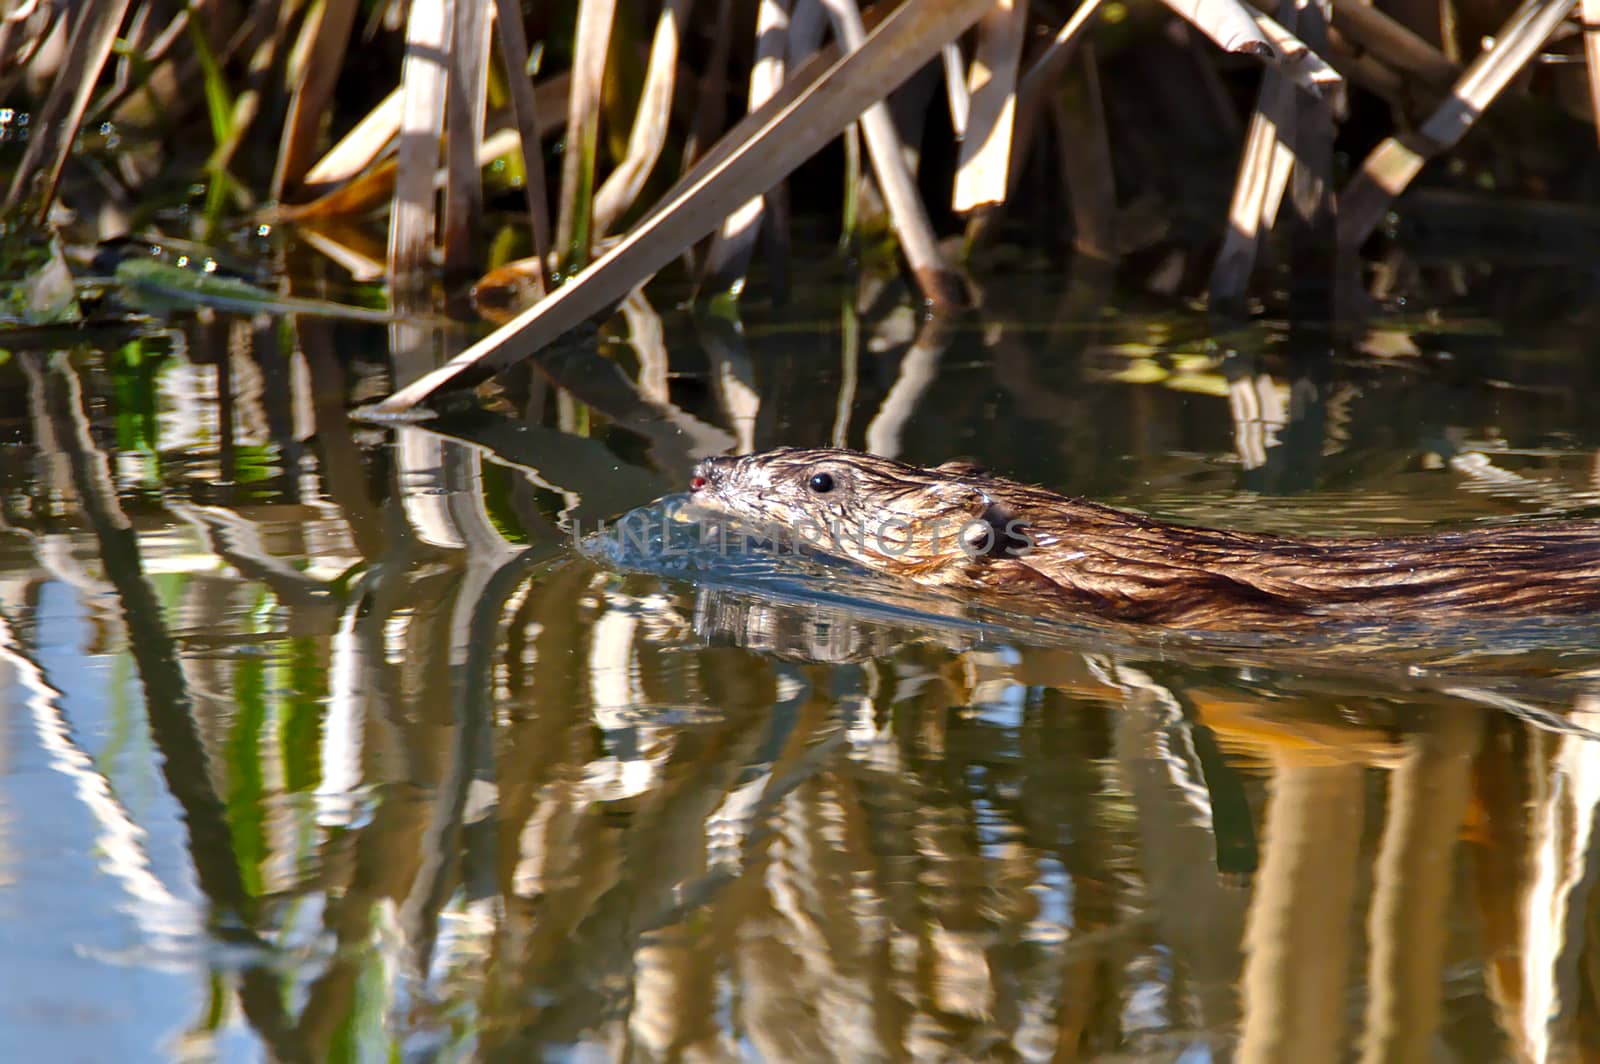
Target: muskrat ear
{"type": "Point", "coordinates": [1009, 537]}
{"type": "Point", "coordinates": [1005, 533]}
{"type": "Point", "coordinates": [961, 467]}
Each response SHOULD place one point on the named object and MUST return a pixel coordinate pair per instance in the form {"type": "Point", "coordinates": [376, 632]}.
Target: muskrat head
{"type": "Point", "coordinates": [879, 512]}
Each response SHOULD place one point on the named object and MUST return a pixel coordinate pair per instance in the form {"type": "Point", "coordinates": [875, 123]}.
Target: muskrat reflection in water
{"type": "Point", "coordinates": [958, 526]}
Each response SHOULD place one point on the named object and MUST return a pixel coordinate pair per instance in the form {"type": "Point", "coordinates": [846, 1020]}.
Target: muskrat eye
{"type": "Point", "coordinates": [821, 483]}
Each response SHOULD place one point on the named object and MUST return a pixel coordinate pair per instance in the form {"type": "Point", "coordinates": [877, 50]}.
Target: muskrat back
{"type": "Point", "coordinates": [958, 526]}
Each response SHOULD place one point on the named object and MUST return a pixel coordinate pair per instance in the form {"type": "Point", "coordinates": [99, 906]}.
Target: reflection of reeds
{"type": "Point", "coordinates": [462, 790]}
{"type": "Point", "coordinates": [1413, 879]}
{"type": "Point", "coordinates": [1533, 869]}
{"type": "Point", "coordinates": [167, 699]}
{"type": "Point", "coordinates": [1302, 909]}
{"type": "Point", "coordinates": [163, 918]}
{"type": "Point", "coordinates": [599, 831]}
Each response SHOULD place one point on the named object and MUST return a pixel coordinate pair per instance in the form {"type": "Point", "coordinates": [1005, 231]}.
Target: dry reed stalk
{"type": "Point", "coordinates": [263, 77]}
{"type": "Point", "coordinates": [1039, 82]}
{"type": "Point", "coordinates": [808, 27]}
{"type": "Point", "coordinates": [345, 246]}
{"type": "Point", "coordinates": [1311, 184]}
{"type": "Point", "coordinates": [374, 133]}
{"type": "Point", "coordinates": [320, 53]}
{"type": "Point", "coordinates": [955, 87]}
{"type": "Point", "coordinates": [466, 101]}
{"type": "Point", "coordinates": [156, 93]}
{"type": "Point", "coordinates": [1218, 104]}
{"type": "Point", "coordinates": [525, 109]}
{"type": "Point", "coordinates": [93, 33]}
{"type": "Point", "coordinates": [1359, 67]}
{"type": "Point", "coordinates": [23, 29]}
{"type": "Point", "coordinates": [1389, 41]}
{"type": "Point", "coordinates": [370, 189]}
{"type": "Point", "coordinates": [1258, 189]}
{"type": "Point", "coordinates": [1275, 141]}
{"type": "Point", "coordinates": [1391, 165]}
{"type": "Point", "coordinates": [985, 157]}
{"type": "Point", "coordinates": [734, 244]}
{"type": "Point", "coordinates": [591, 41]}
{"type": "Point", "coordinates": [1231, 24]}
{"type": "Point", "coordinates": [934, 278]}
{"type": "Point", "coordinates": [1590, 12]}
{"type": "Point", "coordinates": [1224, 21]}
{"type": "Point", "coordinates": [649, 134]}
{"type": "Point", "coordinates": [137, 39]}
{"type": "Point", "coordinates": [819, 101]}
{"type": "Point", "coordinates": [423, 79]}
{"type": "Point", "coordinates": [356, 149]}
{"type": "Point", "coordinates": [1299, 62]}
{"type": "Point", "coordinates": [366, 191]}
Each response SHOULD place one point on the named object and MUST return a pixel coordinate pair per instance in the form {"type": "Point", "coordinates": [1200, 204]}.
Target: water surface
{"type": "Point", "coordinates": [324, 741]}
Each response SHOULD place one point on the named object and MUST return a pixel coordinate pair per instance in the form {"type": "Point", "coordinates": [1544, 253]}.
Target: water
{"type": "Point", "coordinates": [326, 741]}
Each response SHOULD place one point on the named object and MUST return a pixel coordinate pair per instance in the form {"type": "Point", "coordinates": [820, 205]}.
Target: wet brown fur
{"type": "Point", "coordinates": [1126, 566]}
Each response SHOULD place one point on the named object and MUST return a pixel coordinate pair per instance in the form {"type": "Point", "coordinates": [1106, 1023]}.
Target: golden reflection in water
{"type": "Point", "coordinates": [842, 864]}
{"type": "Point", "coordinates": [702, 847]}
{"type": "Point", "coordinates": [917, 853]}
{"type": "Point", "coordinates": [444, 794]}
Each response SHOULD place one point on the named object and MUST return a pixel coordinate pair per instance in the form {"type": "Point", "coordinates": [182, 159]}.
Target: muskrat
{"type": "Point", "coordinates": [958, 526]}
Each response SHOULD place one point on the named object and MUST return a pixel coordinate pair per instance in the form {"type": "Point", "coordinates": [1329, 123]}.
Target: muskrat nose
{"type": "Point", "coordinates": [709, 471]}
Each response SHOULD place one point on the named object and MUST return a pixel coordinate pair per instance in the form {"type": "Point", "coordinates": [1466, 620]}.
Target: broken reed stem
{"type": "Point", "coordinates": [1393, 164]}
{"type": "Point", "coordinates": [467, 88]}
{"type": "Point", "coordinates": [423, 79]}
{"type": "Point", "coordinates": [1258, 187]}
{"type": "Point", "coordinates": [986, 150]}
{"type": "Point", "coordinates": [813, 107]}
